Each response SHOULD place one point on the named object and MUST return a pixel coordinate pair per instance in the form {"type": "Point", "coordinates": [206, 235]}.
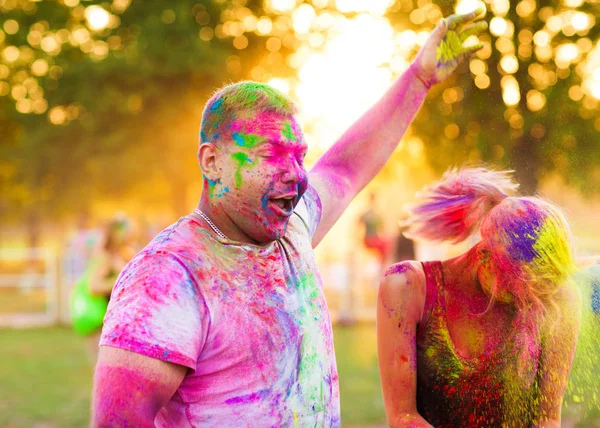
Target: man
{"type": "Point", "coordinates": [221, 320]}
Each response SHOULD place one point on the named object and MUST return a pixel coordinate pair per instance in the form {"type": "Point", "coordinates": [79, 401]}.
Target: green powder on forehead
{"type": "Point", "coordinates": [287, 132]}
{"type": "Point", "coordinates": [246, 140]}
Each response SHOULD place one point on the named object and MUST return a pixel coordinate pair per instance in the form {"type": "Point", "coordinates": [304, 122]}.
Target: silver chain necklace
{"type": "Point", "coordinates": [210, 223]}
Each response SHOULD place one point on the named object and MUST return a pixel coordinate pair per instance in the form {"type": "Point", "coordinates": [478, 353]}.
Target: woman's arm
{"type": "Point", "coordinates": [99, 285]}
{"type": "Point", "coordinates": [399, 309]}
{"type": "Point", "coordinates": [559, 338]}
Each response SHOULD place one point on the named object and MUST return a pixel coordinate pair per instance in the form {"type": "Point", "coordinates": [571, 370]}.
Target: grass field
{"type": "Point", "coordinates": [45, 379]}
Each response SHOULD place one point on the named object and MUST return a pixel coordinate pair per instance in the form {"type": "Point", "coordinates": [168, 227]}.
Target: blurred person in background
{"type": "Point", "coordinates": [80, 247]}
{"type": "Point", "coordinates": [405, 246]}
{"type": "Point", "coordinates": [104, 266]}
{"type": "Point", "coordinates": [221, 320]}
{"type": "Point", "coordinates": [117, 250]}
{"type": "Point", "coordinates": [375, 237]}
{"type": "Point", "coordinates": [485, 339]}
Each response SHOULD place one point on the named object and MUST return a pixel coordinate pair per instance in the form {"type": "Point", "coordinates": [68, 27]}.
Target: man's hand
{"type": "Point", "coordinates": [444, 50]}
{"type": "Point", "coordinates": [360, 153]}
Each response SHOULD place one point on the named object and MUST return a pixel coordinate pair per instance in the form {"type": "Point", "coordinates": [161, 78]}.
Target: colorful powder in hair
{"type": "Point", "coordinates": [216, 105]}
{"type": "Point", "coordinates": [554, 257]}
{"type": "Point", "coordinates": [524, 231]}
{"type": "Point", "coordinates": [245, 95]}
{"type": "Point", "coordinates": [242, 100]}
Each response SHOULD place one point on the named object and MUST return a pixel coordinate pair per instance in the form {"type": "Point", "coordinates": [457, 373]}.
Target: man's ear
{"type": "Point", "coordinates": [207, 158]}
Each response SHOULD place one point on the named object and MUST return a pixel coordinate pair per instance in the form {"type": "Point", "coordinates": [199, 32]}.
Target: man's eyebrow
{"type": "Point", "coordinates": [296, 146]}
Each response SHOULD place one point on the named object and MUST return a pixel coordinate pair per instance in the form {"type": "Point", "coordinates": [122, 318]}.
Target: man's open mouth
{"type": "Point", "coordinates": [285, 203]}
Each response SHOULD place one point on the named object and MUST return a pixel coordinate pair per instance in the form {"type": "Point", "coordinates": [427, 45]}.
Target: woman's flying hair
{"type": "Point", "coordinates": [454, 207]}
{"type": "Point", "coordinates": [527, 238]}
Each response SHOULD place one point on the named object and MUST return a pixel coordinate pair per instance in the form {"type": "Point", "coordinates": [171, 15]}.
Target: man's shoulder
{"type": "Point", "coordinates": [180, 237]}
{"type": "Point", "coordinates": [178, 244]}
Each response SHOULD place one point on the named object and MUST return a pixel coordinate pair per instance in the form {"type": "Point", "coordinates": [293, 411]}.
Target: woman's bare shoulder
{"type": "Point", "coordinates": [403, 283]}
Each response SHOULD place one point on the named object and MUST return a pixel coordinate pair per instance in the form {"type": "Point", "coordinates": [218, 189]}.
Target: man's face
{"type": "Point", "coordinates": [262, 174]}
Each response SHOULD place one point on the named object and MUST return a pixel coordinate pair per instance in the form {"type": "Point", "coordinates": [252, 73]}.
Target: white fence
{"type": "Point", "coordinates": [35, 283]}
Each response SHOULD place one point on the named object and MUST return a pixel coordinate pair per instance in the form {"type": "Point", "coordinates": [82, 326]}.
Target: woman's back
{"type": "Point", "coordinates": [474, 370]}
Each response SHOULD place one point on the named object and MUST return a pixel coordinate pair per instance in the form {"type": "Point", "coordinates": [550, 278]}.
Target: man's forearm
{"type": "Point", "coordinates": [366, 146]}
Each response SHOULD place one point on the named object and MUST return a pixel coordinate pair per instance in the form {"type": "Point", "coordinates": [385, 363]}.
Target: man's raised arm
{"type": "Point", "coordinates": [361, 152]}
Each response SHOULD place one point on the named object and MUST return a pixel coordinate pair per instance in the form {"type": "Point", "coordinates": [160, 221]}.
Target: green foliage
{"type": "Point", "coordinates": [126, 102]}
{"type": "Point", "coordinates": [88, 115]}
{"type": "Point", "coordinates": [460, 122]}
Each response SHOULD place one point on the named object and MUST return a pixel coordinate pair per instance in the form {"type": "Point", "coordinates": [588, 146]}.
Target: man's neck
{"type": "Point", "coordinates": [221, 220]}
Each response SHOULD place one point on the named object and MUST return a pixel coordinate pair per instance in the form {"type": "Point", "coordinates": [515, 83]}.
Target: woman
{"type": "Point", "coordinates": [485, 339]}
{"type": "Point", "coordinates": [107, 264]}
{"type": "Point", "coordinates": [114, 255]}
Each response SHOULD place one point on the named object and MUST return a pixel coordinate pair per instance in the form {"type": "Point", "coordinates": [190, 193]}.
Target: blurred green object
{"type": "Point", "coordinates": [87, 310]}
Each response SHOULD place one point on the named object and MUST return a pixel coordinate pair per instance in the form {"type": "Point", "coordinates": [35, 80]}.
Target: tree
{"type": "Point", "coordinates": [97, 99]}
{"type": "Point", "coordinates": [528, 100]}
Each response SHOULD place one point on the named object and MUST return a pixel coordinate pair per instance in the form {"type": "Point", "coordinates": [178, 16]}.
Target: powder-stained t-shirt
{"type": "Point", "coordinates": [250, 322]}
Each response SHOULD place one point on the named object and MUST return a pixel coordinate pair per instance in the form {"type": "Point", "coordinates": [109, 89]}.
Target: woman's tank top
{"type": "Point", "coordinates": [497, 389]}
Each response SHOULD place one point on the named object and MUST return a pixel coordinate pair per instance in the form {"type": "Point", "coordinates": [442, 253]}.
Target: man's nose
{"type": "Point", "coordinates": [293, 172]}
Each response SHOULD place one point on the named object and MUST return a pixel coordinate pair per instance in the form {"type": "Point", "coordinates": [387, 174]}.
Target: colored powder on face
{"type": "Point", "coordinates": [212, 189]}
{"type": "Point", "coordinates": [242, 160]}
{"type": "Point", "coordinates": [246, 140]}
{"type": "Point", "coordinates": [287, 132]}
{"type": "Point", "coordinates": [211, 184]}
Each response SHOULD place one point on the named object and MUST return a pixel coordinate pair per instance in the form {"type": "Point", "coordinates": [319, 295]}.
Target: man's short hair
{"type": "Point", "coordinates": [242, 99]}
